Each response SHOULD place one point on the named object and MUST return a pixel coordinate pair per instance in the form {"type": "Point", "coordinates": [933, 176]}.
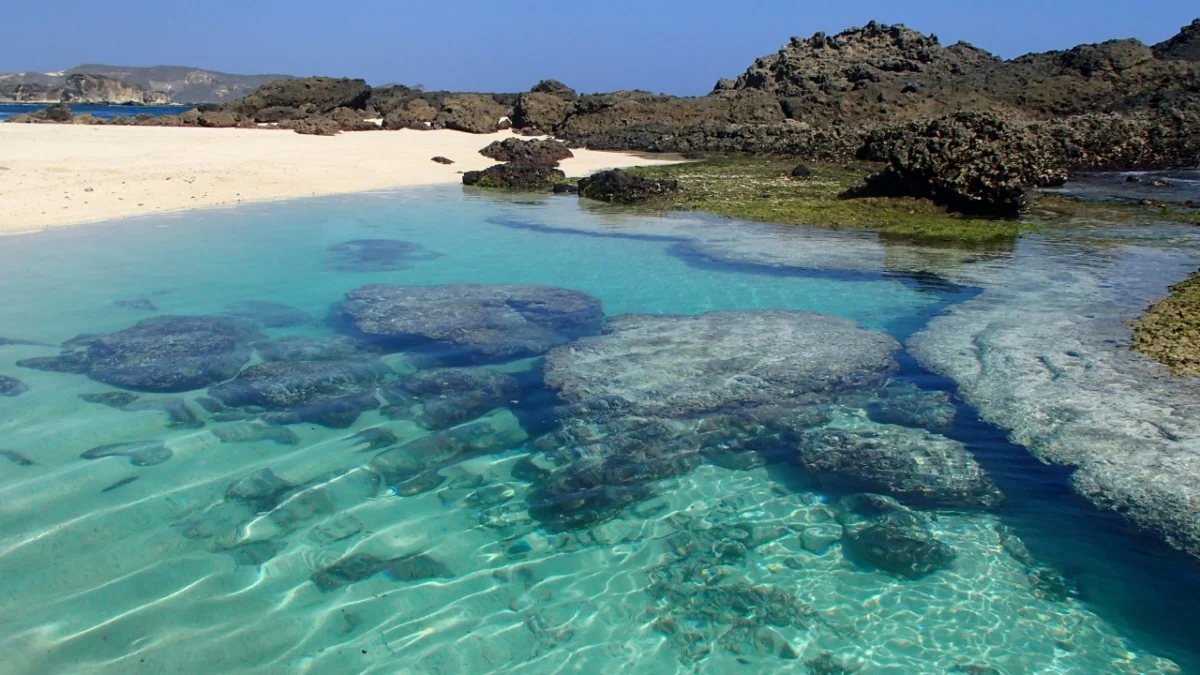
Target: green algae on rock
{"type": "Point", "coordinates": [1169, 331]}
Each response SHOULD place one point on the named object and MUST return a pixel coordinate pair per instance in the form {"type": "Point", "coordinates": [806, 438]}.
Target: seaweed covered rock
{"type": "Point", "coordinates": [623, 188]}
{"type": "Point", "coordinates": [529, 177]}
{"type": "Point", "coordinates": [470, 322]}
{"type": "Point", "coordinates": [160, 354]}
{"type": "Point", "coordinates": [330, 393]}
{"type": "Point", "coordinates": [970, 162]}
{"type": "Point", "coordinates": [912, 464]}
{"type": "Point", "coordinates": [672, 366]}
{"type": "Point", "coordinates": [517, 151]}
{"type": "Point", "coordinates": [376, 255]}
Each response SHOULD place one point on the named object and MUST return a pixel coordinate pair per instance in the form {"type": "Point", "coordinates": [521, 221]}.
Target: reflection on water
{"type": "Point", "coordinates": [237, 467]}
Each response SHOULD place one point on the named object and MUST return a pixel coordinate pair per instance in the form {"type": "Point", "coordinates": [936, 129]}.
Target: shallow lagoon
{"type": "Point", "coordinates": [104, 571]}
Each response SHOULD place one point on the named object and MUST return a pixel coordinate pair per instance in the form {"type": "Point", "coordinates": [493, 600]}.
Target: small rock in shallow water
{"type": "Point", "coordinates": [336, 529]}
{"type": "Point", "coordinates": [360, 566]}
{"type": "Point", "coordinates": [11, 386]}
{"type": "Point", "coordinates": [16, 458]}
{"type": "Point", "coordinates": [249, 432]}
{"type": "Point", "coordinates": [261, 490]}
{"type": "Point", "coordinates": [140, 453]}
{"type": "Point", "coordinates": [112, 399]}
{"type": "Point", "coordinates": [905, 551]}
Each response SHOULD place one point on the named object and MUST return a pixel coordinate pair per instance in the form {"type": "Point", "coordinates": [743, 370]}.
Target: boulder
{"type": "Point", "coordinates": [217, 119]}
{"type": "Point", "coordinates": [544, 112]}
{"type": "Point", "coordinates": [416, 113]}
{"type": "Point", "coordinates": [473, 113]}
{"type": "Point", "coordinates": [58, 112]}
{"type": "Point", "coordinates": [672, 366]}
{"type": "Point", "coordinates": [470, 322]}
{"type": "Point", "coordinates": [527, 177]}
{"type": "Point", "coordinates": [623, 188]}
{"type": "Point", "coordinates": [160, 354]}
{"type": "Point", "coordinates": [911, 464]}
{"type": "Point", "coordinates": [517, 151]}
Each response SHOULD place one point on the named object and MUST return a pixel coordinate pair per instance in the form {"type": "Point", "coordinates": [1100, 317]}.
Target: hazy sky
{"type": "Point", "coordinates": [598, 45]}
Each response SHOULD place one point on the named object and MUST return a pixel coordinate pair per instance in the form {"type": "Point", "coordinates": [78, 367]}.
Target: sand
{"type": "Point", "coordinates": [55, 175]}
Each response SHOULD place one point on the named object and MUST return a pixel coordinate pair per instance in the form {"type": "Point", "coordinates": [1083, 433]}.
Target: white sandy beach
{"type": "Point", "coordinates": [55, 175]}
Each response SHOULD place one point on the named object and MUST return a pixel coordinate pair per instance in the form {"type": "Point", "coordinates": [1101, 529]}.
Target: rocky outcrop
{"type": "Point", "coordinates": [58, 112]}
{"type": "Point", "coordinates": [623, 188]}
{"type": "Point", "coordinates": [517, 151]}
{"type": "Point", "coordinates": [469, 322]}
{"type": "Point", "coordinates": [310, 95]}
{"type": "Point", "coordinates": [672, 366]}
{"type": "Point", "coordinates": [525, 177]}
{"type": "Point", "coordinates": [1185, 46]}
{"type": "Point", "coordinates": [161, 354]}
{"type": "Point", "coordinates": [79, 88]}
{"type": "Point", "coordinates": [473, 113]}
{"type": "Point", "coordinates": [554, 88]}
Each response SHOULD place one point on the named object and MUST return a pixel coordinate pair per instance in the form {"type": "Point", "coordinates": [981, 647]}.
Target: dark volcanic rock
{"type": "Point", "coordinates": [542, 112]}
{"type": "Point", "coordinates": [218, 119]}
{"type": "Point", "coordinates": [11, 386]}
{"type": "Point", "coordinates": [671, 366]}
{"type": "Point", "coordinates": [58, 112]}
{"type": "Point", "coordinates": [1185, 46]}
{"type": "Point", "coordinates": [376, 255]}
{"type": "Point", "coordinates": [162, 354]}
{"type": "Point", "coordinates": [517, 151]}
{"type": "Point", "coordinates": [312, 126]}
{"type": "Point", "coordinates": [474, 113]}
{"type": "Point", "coordinates": [530, 177]}
{"type": "Point", "coordinates": [471, 322]}
{"type": "Point", "coordinates": [622, 188]}
{"type": "Point", "coordinates": [267, 314]}
{"type": "Point", "coordinates": [911, 464]}
{"type": "Point", "coordinates": [322, 392]}
{"type": "Point", "coordinates": [318, 94]}
{"type": "Point", "coordinates": [970, 162]}
{"type": "Point", "coordinates": [555, 88]}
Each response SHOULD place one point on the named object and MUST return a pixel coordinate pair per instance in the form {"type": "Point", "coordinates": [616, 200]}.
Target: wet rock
{"type": "Point", "coordinates": [904, 550]}
{"type": "Point", "coordinates": [470, 322]}
{"type": "Point", "coordinates": [140, 453]}
{"type": "Point", "coordinates": [909, 406]}
{"type": "Point", "coordinates": [376, 255]}
{"type": "Point", "coordinates": [527, 177]}
{"type": "Point", "coordinates": [565, 189]}
{"type": "Point", "coordinates": [267, 314]}
{"type": "Point", "coordinates": [11, 386]}
{"type": "Point", "coordinates": [261, 490]}
{"type": "Point", "coordinates": [112, 399]}
{"type": "Point", "coordinates": [332, 393]}
{"type": "Point", "coordinates": [249, 432]}
{"type": "Point", "coordinates": [293, 348]}
{"type": "Point", "coordinates": [517, 151]}
{"type": "Point", "coordinates": [671, 366]}
{"type": "Point", "coordinates": [451, 396]}
{"type": "Point", "coordinates": [359, 566]}
{"type": "Point", "coordinates": [912, 464]}
{"type": "Point", "coordinates": [447, 447]}
{"type": "Point", "coordinates": [623, 188]}
{"type": "Point", "coordinates": [140, 305]}
{"type": "Point", "coordinates": [161, 354]}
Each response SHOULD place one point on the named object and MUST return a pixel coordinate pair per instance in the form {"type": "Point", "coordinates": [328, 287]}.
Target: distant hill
{"type": "Point", "coordinates": [181, 84]}
{"type": "Point", "coordinates": [76, 88]}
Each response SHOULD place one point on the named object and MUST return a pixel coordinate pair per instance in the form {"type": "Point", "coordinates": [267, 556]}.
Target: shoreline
{"type": "Point", "coordinates": [66, 175]}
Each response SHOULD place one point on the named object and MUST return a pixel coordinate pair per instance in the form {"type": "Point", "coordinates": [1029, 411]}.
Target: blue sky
{"type": "Point", "coordinates": [597, 45]}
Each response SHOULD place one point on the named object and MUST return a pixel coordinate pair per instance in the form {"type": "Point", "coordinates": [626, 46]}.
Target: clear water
{"type": "Point", "coordinates": [103, 574]}
{"type": "Point", "coordinates": [8, 110]}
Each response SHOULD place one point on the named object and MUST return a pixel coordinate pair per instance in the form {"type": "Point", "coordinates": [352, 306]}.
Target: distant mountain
{"type": "Point", "coordinates": [181, 84]}
{"type": "Point", "coordinates": [75, 88]}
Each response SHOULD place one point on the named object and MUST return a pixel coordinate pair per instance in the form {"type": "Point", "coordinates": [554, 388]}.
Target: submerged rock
{"type": "Point", "coordinates": [112, 399]}
{"type": "Point", "coordinates": [261, 490]}
{"type": "Point", "coordinates": [909, 406]}
{"type": "Point", "coordinates": [331, 393]}
{"type": "Point", "coordinates": [450, 396]}
{"type": "Point", "coordinates": [912, 464]}
{"type": "Point", "coordinates": [376, 255]}
{"type": "Point", "coordinates": [464, 323]}
{"type": "Point", "coordinates": [161, 354]}
{"type": "Point", "coordinates": [267, 314]}
{"type": "Point", "coordinates": [306, 348]}
{"type": "Point", "coordinates": [11, 386]}
{"type": "Point", "coordinates": [443, 448]}
{"type": "Point", "coordinates": [623, 188]}
{"type": "Point", "coordinates": [249, 432]}
{"type": "Point", "coordinates": [903, 550]}
{"type": "Point", "coordinates": [359, 566]}
{"type": "Point", "coordinates": [140, 453]}
{"type": "Point", "coordinates": [671, 366]}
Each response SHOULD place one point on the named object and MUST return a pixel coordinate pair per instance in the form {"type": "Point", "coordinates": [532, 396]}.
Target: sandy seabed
{"type": "Point", "coordinates": [54, 175]}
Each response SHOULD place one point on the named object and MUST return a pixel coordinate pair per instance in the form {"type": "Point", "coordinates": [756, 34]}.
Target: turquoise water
{"type": "Point", "coordinates": [113, 566]}
{"type": "Point", "coordinates": [102, 111]}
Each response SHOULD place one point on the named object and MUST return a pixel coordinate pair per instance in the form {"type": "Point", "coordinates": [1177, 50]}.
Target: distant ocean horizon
{"type": "Point", "coordinates": [8, 110]}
